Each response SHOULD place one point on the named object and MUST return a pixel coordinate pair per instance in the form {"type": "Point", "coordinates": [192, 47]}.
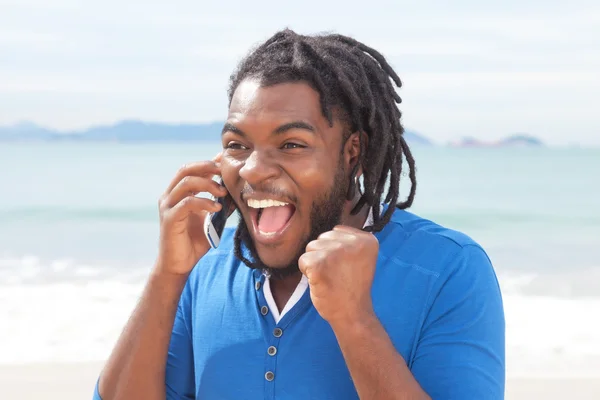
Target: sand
{"type": "Point", "coordinates": [76, 382]}
{"type": "Point", "coordinates": [48, 381]}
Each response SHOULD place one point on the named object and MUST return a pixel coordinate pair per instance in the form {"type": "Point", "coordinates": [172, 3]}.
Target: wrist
{"type": "Point", "coordinates": [166, 277]}
{"type": "Point", "coordinates": [356, 324]}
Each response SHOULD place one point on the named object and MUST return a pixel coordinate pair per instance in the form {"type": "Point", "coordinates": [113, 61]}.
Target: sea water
{"type": "Point", "coordinates": [79, 233]}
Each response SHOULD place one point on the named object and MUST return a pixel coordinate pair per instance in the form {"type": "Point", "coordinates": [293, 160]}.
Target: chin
{"type": "Point", "coordinates": [279, 256]}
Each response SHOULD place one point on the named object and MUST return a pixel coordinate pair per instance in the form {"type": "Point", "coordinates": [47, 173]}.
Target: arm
{"type": "Point", "coordinates": [141, 361]}
{"type": "Point", "coordinates": [460, 354]}
{"type": "Point", "coordinates": [377, 369]}
{"type": "Point", "coordinates": [137, 365]}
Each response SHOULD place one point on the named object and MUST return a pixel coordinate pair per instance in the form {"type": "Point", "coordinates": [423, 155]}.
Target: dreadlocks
{"type": "Point", "coordinates": [354, 79]}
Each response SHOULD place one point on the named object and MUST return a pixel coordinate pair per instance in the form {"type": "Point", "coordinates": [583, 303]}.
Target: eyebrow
{"type": "Point", "coordinates": [278, 131]}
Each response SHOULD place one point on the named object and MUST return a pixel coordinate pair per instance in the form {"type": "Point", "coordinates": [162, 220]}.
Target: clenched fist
{"type": "Point", "coordinates": [340, 266]}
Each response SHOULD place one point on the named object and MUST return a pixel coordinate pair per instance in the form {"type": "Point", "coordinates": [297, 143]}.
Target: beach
{"type": "Point", "coordinates": [76, 382]}
{"type": "Point", "coordinates": [544, 360]}
{"type": "Point", "coordinates": [78, 234]}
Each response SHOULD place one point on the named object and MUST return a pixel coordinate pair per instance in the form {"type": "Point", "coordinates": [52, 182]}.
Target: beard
{"type": "Point", "coordinates": [326, 213]}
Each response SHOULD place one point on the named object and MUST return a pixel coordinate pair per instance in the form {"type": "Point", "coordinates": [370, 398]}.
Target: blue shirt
{"type": "Point", "coordinates": [435, 293]}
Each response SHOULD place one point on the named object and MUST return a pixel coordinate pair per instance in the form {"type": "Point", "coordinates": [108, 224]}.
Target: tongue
{"type": "Point", "coordinates": [272, 219]}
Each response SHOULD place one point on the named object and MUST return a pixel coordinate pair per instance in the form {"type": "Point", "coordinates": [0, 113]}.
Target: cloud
{"type": "Point", "coordinates": [508, 66]}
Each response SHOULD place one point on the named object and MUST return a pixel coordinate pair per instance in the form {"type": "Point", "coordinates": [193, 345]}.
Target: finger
{"type": "Point", "coordinates": [309, 262]}
{"type": "Point", "coordinates": [322, 244]}
{"type": "Point", "coordinates": [192, 185]}
{"type": "Point", "coordinates": [330, 235]}
{"type": "Point", "coordinates": [347, 229]}
{"type": "Point", "coordinates": [189, 205]}
{"type": "Point", "coordinates": [337, 234]}
{"type": "Point", "coordinates": [200, 168]}
{"type": "Point", "coordinates": [217, 159]}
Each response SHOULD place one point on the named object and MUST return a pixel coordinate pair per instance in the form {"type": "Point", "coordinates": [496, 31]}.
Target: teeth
{"type": "Point", "coordinates": [265, 203]}
{"type": "Point", "coordinates": [267, 234]}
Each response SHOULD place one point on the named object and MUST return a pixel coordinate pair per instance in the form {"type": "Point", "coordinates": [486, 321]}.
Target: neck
{"type": "Point", "coordinates": [356, 221]}
{"type": "Point", "coordinates": [282, 289]}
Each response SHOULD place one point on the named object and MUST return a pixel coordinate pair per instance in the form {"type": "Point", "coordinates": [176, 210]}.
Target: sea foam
{"type": "Point", "coordinates": [76, 312]}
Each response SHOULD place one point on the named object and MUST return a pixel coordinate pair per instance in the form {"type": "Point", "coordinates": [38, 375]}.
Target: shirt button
{"type": "Point", "coordinates": [277, 332]}
{"type": "Point", "coordinates": [269, 376]}
{"type": "Point", "coordinates": [264, 310]}
{"type": "Point", "coordinates": [272, 350]}
{"type": "Point", "coordinates": [257, 285]}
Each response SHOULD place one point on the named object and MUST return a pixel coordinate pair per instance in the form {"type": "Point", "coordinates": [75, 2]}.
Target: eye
{"type": "Point", "coordinates": [290, 146]}
{"type": "Point", "coordinates": [235, 146]}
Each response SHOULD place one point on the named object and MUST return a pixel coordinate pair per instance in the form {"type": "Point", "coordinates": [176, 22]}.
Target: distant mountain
{"type": "Point", "coordinates": [137, 131]}
{"type": "Point", "coordinates": [25, 131]}
{"type": "Point", "coordinates": [125, 131]}
{"type": "Point", "coordinates": [414, 138]}
{"type": "Point", "coordinates": [516, 140]}
{"type": "Point", "coordinates": [521, 139]}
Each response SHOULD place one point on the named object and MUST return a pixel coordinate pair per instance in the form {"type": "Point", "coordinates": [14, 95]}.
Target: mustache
{"type": "Point", "coordinates": [272, 191]}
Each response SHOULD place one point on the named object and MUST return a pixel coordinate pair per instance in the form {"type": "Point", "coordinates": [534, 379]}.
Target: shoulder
{"type": "Point", "coordinates": [417, 242]}
{"type": "Point", "coordinates": [449, 268]}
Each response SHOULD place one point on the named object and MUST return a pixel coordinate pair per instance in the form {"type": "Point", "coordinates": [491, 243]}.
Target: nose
{"type": "Point", "coordinates": [258, 168]}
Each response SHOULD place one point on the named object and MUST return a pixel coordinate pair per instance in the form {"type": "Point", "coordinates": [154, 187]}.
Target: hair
{"type": "Point", "coordinates": [354, 83]}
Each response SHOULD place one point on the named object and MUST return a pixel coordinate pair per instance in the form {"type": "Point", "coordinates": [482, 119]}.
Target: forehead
{"type": "Point", "coordinates": [285, 101]}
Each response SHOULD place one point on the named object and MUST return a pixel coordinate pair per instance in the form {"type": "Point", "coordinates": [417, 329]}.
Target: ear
{"type": "Point", "coordinates": [352, 151]}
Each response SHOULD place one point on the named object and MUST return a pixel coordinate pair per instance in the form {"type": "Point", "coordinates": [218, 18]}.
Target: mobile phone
{"type": "Point", "coordinates": [214, 224]}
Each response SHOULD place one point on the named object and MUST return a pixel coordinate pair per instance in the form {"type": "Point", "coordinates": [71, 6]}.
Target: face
{"type": "Point", "coordinates": [286, 169]}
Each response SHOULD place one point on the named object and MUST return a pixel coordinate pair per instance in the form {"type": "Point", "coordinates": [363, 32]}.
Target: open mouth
{"type": "Point", "coordinates": [270, 218]}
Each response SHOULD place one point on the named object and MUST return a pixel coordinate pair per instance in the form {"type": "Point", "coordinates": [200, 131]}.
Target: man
{"type": "Point", "coordinates": [327, 289]}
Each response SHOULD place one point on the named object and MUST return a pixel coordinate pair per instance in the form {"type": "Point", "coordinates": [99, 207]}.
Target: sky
{"type": "Point", "coordinates": [469, 68]}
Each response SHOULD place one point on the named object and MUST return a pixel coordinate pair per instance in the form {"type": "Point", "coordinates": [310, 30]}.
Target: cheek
{"type": "Point", "coordinates": [314, 179]}
{"type": "Point", "coordinates": [231, 163]}
{"type": "Point", "coordinates": [230, 172]}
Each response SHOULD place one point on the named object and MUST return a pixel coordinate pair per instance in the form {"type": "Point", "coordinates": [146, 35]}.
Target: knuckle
{"type": "Point", "coordinates": [302, 265]}
{"type": "Point", "coordinates": [372, 240]}
{"type": "Point", "coordinates": [187, 201]}
{"type": "Point", "coordinates": [162, 203]}
{"type": "Point", "coordinates": [183, 168]}
{"type": "Point", "coordinates": [186, 181]}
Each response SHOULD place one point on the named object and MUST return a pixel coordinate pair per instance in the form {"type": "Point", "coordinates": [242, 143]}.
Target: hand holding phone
{"type": "Point", "coordinates": [182, 239]}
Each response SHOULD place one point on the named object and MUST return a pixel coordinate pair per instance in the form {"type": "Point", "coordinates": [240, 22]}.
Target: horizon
{"type": "Point", "coordinates": [26, 125]}
{"type": "Point", "coordinates": [482, 70]}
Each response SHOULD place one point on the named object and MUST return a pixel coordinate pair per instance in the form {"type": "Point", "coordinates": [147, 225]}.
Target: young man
{"type": "Point", "coordinates": [328, 288]}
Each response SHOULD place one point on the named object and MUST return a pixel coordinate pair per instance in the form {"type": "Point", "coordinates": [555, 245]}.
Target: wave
{"type": "Point", "coordinates": [64, 310]}
{"type": "Point", "coordinates": [32, 270]}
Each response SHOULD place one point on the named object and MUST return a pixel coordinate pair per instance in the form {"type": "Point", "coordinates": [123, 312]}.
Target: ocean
{"type": "Point", "coordinates": [79, 231]}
